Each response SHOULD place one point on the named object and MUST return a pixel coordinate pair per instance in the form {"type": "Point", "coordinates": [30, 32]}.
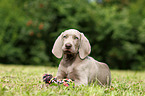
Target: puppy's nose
{"type": "Point", "coordinates": [68, 45]}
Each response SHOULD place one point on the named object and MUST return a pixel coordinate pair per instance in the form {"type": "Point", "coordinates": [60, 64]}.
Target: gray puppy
{"type": "Point", "coordinates": [76, 64]}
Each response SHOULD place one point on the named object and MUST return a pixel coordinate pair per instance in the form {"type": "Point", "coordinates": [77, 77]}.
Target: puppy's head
{"type": "Point", "coordinates": [71, 42]}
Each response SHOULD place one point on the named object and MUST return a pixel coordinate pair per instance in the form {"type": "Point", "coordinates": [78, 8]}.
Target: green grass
{"type": "Point", "coordinates": [27, 81]}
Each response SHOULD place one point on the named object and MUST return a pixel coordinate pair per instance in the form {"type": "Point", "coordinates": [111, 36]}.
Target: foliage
{"type": "Point", "coordinates": [27, 80]}
{"type": "Point", "coordinates": [115, 30]}
{"type": "Point", "coordinates": [16, 44]}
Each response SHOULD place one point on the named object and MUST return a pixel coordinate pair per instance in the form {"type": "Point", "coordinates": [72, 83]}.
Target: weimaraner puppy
{"type": "Point", "coordinates": [76, 64]}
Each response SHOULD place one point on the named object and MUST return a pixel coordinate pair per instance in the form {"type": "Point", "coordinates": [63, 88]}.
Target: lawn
{"type": "Point", "coordinates": [22, 80]}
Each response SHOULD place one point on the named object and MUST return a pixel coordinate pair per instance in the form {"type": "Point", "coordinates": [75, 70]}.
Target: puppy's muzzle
{"type": "Point", "coordinates": [68, 46]}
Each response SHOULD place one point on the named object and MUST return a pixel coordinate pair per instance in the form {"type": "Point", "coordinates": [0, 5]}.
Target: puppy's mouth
{"type": "Point", "coordinates": [67, 51]}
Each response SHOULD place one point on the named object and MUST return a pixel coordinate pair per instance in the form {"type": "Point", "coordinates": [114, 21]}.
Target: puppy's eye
{"type": "Point", "coordinates": [76, 38]}
{"type": "Point", "coordinates": [64, 36]}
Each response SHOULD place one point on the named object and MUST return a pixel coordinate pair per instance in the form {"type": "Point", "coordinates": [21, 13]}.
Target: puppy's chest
{"type": "Point", "coordinates": [72, 73]}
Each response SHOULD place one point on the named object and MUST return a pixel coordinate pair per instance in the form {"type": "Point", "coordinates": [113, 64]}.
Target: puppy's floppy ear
{"type": "Point", "coordinates": [85, 47]}
{"type": "Point", "coordinates": [57, 47]}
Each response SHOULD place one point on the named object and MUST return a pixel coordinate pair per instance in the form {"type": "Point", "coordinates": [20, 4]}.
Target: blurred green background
{"type": "Point", "coordinates": [115, 29]}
